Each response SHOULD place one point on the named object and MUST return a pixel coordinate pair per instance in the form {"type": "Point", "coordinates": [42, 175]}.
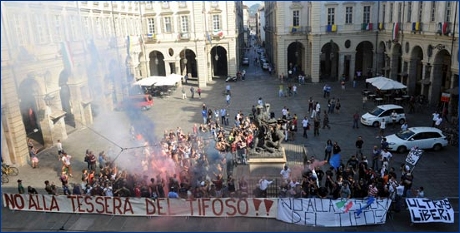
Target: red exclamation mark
{"type": "Point", "coordinates": [268, 205]}
{"type": "Point", "coordinates": [256, 205]}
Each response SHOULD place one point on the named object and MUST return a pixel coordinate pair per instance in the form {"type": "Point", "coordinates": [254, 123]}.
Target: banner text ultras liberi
{"type": "Point", "coordinates": [202, 207]}
{"type": "Point", "coordinates": [423, 210]}
{"type": "Point", "coordinates": [333, 213]}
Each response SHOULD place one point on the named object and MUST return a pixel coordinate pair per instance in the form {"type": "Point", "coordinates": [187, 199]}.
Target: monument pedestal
{"type": "Point", "coordinates": [269, 165]}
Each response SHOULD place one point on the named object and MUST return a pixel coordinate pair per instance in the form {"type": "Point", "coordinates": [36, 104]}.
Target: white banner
{"type": "Point", "coordinates": [424, 210]}
{"type": "Point", "coordinates": [413, 157]}
{"type": "Point", "coordinates": [333, 213]}
{"type": "Point", "coordinates": [201, 207]}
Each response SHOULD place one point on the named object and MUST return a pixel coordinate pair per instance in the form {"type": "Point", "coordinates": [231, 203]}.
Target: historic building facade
{"type": "Point", "coordinates": [65, 62]}
{"type": "Point", "coordinates": [414, 42]}
{"type": "Point", "coordinates": [198, 38]}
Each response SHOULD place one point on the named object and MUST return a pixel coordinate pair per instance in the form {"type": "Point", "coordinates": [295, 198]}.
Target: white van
{"type": "Point", "coordinates": [380, 112]}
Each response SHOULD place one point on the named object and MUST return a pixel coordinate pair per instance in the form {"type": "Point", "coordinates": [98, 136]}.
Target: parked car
{"type": "Point", "coordinates": [135, 102]}
{"type": "Point", "coordinates": [265, 66]}
{"type": "Point", "coordinates": [245, 61]}
{"type": "Point", "coordinates": [374, 117]}
{"type": "Point", "coordinates": [421, 137]}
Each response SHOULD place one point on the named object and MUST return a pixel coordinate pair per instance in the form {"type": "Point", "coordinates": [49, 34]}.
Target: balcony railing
{"type": "Point", "coordinates": [299, 29]}
{"type": "Point", "coordinates": [148, 38]}
{"type": "Point", "coordinates": [184, 36]}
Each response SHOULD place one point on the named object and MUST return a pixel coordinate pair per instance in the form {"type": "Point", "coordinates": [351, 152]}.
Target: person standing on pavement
{"type": "Point", "coordinates": [382, 126]}
{"type": "Point", "coordinates": [375, 158]}
{"type": "Point", "coordinates": [66, 163]}
{"type": "Point", "coordinates": [326, 120]}
{"type": "Point", "coordinates": [20, 187]}
{"type": "Point", "coordinates": [310, 104]}
{"type": "Point", "coordinates": [359, 146]}
{"type": "Point", "coordinates": [263, 185]}
{"type": "Point", "coordinates": [328, 150]}
{"type": "Point", "coordinates": [59, 148]}
{"type": "Point", "coordinates": [316, 124]}
{"type": "Point", "coordinates": [394, 117]}
{"type": "Point", "coordinates": [204, 114]}
{"type": "Point", "coordinates": [199, 92]}
{"type": "Point", "coordinates": [305, 126]}
{"type": "Point", "coordinates": [356, 120]}
{"type": "Point", "coordinates": [404, 126]}
{"type": "Point", "coordinates": [92, 162]}
{"type": "Point", "coordinates": [285, 173]}
{"type": "Point", "coordinates": [294, 90]}
{"type": "Point", "coordinates": [435, 118]}
{"type": "Point", "coordinates": [184, 95]}
{"type": "Point", "coordinates": [227, 98]}
{"type": "Point", "coordinates": [192, 91]}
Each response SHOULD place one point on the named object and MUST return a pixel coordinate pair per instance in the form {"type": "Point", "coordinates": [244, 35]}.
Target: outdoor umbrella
{"type": "Point", "coordinates": [388, 84]}
{"type": "Point", "coordinates": [375, 79]}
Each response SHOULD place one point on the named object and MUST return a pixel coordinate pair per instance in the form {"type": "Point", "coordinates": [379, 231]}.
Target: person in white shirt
{"type": "Point", "coordinates": [284, 111]}
{"type": "Point", "coordinates": [404, 126]}
{"type": "Point", "coordinates": [263, 185]}
{"type": "Point", "coordinates": [66, 163]}
{"type": "Point", "coordinates": [59, 148]}
{"type": "Point", "coordinates": [435, 118]}
{"type": "Point", "coordinates": [394, 117]}
{"type": "Point", "coordinates": [382, 128]}
{"type": "Point", "coordinates": [305, 126]}
{"type": "Point", "coordinates": [260, 102]}
{"type": "Point", "coordinates": [294, 90]}
{"type": "Point", "coordinates": [438, 122]}
{"type": "Point", "coordinates": [385, 157]}
{"type": "Point", "coordinates": [286, 173]}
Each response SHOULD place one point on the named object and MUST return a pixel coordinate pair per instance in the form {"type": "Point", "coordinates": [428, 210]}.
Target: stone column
{"type": "Point", "coordinates": [341, 63]}
{"type": "Point", "coordinates": [412, 76]}
{"type": "Point", "coordinates": [434, 92]}
{"type": "Point", "coordinates": [425, 75]}
{"type": "Point", "coordinates": [351, 74]}
{"type": "Point", "coordinates": [316, 59]}
{"type": "Point", "coordinates": [394, 66]}
{"type": "Point", "coordinates": [13, 131]}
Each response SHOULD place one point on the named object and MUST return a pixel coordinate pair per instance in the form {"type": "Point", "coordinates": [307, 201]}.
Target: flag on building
{"type": "Point", "coordinates": [395, 33]}
{"type": "Point", "coordinates": [67, 56]}
{"type": "Point", "coordinates": [218, 33]}
{"type": "Point", "coordinates": [208, 36]}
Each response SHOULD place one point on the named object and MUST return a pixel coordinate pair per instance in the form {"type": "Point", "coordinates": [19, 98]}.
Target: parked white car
{"type": "Point", "coordinates": [265, 66]}
{"type": "Point", "coordinates": [374, 117]}
{"type": "Point", "coordinates": [422, 137]}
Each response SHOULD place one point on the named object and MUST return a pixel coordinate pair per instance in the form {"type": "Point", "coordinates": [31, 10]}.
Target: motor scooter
{"type": "Point", "coordinates": [231, 79]}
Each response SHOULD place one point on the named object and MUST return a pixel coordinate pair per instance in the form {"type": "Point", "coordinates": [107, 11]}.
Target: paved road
{"type": "Point", "coordinates": [437, 171]}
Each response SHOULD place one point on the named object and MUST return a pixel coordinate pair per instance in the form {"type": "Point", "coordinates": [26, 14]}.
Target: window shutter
{"type": "Point", "coordinates": [163, 29]}
{"type": "Point", "coordinates": [189, 26]}
{"type": "Point", "coordinates": [178, 23]}
{"type": "Point", "coordinates": [221, 26]}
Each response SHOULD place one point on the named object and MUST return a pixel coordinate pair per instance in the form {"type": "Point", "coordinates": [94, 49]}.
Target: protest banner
{"type": "Point", "coordinates": [201, 207]}
{"type": "Point", "coordinates": [413, 157]}
{"type": "Point", "coordinates": [333, 213]}
{"type": "Point", "coordinates": [424, 210]}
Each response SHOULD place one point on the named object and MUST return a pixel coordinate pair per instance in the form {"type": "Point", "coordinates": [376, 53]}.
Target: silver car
{"type": "Point", "coordinates": [421, 137]}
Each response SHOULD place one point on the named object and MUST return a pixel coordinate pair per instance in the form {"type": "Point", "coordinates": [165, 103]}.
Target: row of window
{"type": "Point", "coordinates": [183, 22]}
{"type": "Point", "coordinates": [42, 29]}
{"type": "Point", "coordinates": [367, 13]}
